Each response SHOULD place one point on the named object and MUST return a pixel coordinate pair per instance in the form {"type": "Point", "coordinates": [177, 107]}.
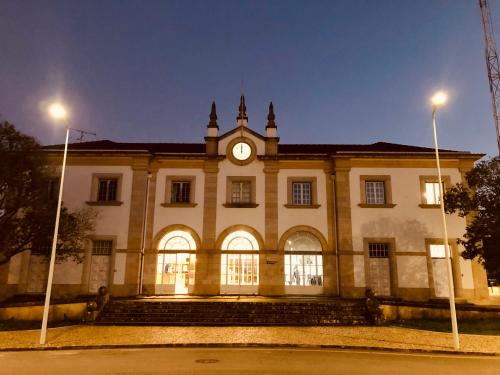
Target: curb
{"type": "Point", "coordinates": [250, 345]}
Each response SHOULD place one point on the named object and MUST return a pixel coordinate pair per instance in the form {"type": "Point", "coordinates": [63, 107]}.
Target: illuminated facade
{"type": "Point", "coordinates": [243, 214]}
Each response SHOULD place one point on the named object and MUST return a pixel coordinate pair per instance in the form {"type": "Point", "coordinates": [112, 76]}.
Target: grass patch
{"type": "Point", "coordinates": [476, 327]}
{"type": "Point", "coordinates": [21, 325]}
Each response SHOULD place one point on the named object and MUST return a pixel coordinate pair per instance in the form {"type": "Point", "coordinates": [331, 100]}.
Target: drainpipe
{"type": "Point", "coordinates": [335, 231]}
{"type": "Point", "coordinates": [143, 236]}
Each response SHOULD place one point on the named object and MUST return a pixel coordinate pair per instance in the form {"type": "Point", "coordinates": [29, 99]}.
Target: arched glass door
{"type": "Point", "coordinates": [175, 263]}
{"type": "Point", "coordinates": [303, 264]}
{"type": "Point", "coordinates": [239, 264]}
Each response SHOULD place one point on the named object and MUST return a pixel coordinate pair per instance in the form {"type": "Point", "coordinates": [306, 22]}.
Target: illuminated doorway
{"type": "Point", "coordinates": [303, 264]}
{"type": "Point", "coordinates": [239, 264]}
{"type": "Point", "coordinates": [175, 265]}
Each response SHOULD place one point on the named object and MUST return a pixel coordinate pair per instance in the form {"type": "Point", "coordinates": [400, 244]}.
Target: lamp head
{"type": "Point", "coordinates": [57, 111]}
{"type": "Point", "coordinates": [439, 99]}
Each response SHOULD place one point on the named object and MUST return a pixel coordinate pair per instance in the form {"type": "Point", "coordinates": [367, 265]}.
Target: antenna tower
{"type": "Point", "coordinates": [491, 65]}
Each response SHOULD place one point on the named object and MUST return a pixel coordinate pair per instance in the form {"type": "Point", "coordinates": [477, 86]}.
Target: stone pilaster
{"type": "Point", "coordinates": [207, 279]}
{"type": "Point", "coordinates": [329, 254]}
{"type": "Point", "coordinates": [271, 267]}
{"type": "Point", "coordinates": [150, 253]}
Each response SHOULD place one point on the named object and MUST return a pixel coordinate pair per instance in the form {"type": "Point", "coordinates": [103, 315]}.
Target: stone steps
{"type": "Point", "coordinates": [235, 313]}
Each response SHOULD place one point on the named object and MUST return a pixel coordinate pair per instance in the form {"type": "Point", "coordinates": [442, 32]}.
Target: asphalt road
{"type": "Point", "coordinates": [240, 361]}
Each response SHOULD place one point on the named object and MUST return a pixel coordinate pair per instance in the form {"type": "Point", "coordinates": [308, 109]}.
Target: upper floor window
{"type": "Point", "coordinates": [301, 193]}
{"type": "Point", "coordinates": [432, 194]}
{"type": "Point", "coordinates": [180, 192]}
{"type": "Point", "coordinates": [240, 192]}
{"type": "Point", "coordinates": [375, 192]}
{"type": "Point", "coordinates": [429, 190]}
{"type": "Point", "coordinates": [53, 189]}
{"type": "Point", "coordinates": [107, 190]}
{"type": "Point", "coordinates": [378, 250]}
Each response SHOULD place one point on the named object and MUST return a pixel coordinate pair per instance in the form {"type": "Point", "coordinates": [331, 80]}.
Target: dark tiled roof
{"type": "Point", "coordinates": [199, 148]}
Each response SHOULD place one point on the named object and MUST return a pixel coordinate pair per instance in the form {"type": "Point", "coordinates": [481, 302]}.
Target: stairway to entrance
{"type": "Point", "coordinates": [256, 311]}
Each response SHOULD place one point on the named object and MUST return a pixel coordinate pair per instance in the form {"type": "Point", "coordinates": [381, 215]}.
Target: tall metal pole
{"type": "Point", "coordinates": [451, 288]}
{"type": "Point", "coordinates": [43, 333]}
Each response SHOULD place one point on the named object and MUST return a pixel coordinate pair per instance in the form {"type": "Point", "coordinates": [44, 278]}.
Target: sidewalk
{"type": "Point", "coordinates": [390, 338]}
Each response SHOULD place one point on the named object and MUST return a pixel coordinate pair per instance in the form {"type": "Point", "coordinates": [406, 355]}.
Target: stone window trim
{"type": "Point", "coordinates": [229, 151]}
{"type": "Point", "coordinates": [229, 182]}
{"type": "Point", "coordinates": [94, 189]}
{"type": "Point", "coordinates": [386, 179]}
{"type": "Point", "coordinates": [314, 192]}
{"type": "Point", "coordinates": [423, 179]}
{"type": "Point", "coordinates": [393, 265]}
{"type": "Point", "coordinates": [168, 191]}
{"type": "Point", "coordinates": [88, 259]}
{"type": "Point", "coordinates": [455, 265]}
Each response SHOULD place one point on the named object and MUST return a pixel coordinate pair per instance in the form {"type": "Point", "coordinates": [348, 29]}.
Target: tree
{"type": "Point", "coordinates": [28, 202]}
{"type": "Point", "coordinates": [481, 198]}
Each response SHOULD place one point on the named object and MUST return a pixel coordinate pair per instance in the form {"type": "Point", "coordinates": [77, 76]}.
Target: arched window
{"type": "Point", "coordinates": [175, 263]}
{"type": "Point", "coordinates": [303, 263]}
{"type": "Point", "coordinates": [239, 263]}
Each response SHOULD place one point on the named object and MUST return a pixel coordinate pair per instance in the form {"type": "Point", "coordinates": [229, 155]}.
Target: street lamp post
{"type": "Point", "coordinates": [438, 100]}
{"type": "Point", "coordinates": [58, 113]}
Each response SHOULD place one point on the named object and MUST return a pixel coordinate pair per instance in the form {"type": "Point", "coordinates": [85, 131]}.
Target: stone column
{"type": "Point", "coordinates": [150, 253]}
{"type": "Point", "coordinates": [271, 259]}
{"type": "Point", "coordinates": [207, 273]}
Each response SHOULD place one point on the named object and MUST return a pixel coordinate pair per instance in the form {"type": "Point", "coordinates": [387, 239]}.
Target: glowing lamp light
{"type": "Point", "coordinates": [57, 111]}
{"type": "Point", "coordinates": [439, 99]}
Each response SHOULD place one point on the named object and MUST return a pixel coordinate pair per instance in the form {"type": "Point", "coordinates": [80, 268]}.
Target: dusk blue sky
{"type": "Point", "coordinates": [337, 71]}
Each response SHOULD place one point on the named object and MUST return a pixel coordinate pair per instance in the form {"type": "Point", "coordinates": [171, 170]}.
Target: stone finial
{"type": "Point", "coordinates": [242, 115]}
{"type": "Point", "coordinates": [213, 117]}
{"type": "Point", "coordinates": [271, 117]}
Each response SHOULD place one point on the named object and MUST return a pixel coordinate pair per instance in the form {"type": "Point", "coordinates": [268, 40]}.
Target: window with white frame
{"type": "Point", "coordinates": [438, 251]}
{"type": "Point", "coordinates": [301, 193]}
{"type": "Point", "coordinates": [241, 192]}
{"type": "Point", "coordinates": [375, 192]}
{"type": "Point", "coordinates": [432, 195]}
{"type": "Point", "coordinates": [181, 191]}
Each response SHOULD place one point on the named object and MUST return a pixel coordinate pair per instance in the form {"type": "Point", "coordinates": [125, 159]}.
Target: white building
{"type": "Point", "coordinates": [243, 214]}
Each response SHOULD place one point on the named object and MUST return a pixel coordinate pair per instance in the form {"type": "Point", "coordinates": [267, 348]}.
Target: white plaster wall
{"type": "Point", "coordinates": [359, 270]}
{"type": "Point", "coordinates": [290, 217]}
{"type": "Point", "coordinates": [111, 220]}
{"type": "Point", "coordinates": [408, 223]}
{"type": "Point", "coordinates": [412, 272]}
{"type": "Point", "coordinates": [259, 143]}
{"type": "Point", "coordinates": [253, 217]}
{"type": "Point", "coordinates": [14, 269]}
{"type": "Point", "coordinates": [68, 272]}
{"type": "Point", "coordinates": [190, 216]}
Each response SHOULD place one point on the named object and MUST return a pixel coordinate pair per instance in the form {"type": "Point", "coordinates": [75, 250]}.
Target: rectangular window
{"type": "Point", "coordinates": [107, 189]}
{"type": "Point", "coordinates": [240, 192]}
{"type": "Point", "coordinates": [437, 251]}
{"type": "Point", "coordinates": [378, 250]}
{"type": "Point", "coordinates": [301, 193]}
{"type": "Point", "coordinates": [180, 192]}
{"type": "Point", "coordinates": [102, 247]}
{"type": "Point", "coordinates": [432, 193]}
{"type": "Point", "coordinates": [375, 192]}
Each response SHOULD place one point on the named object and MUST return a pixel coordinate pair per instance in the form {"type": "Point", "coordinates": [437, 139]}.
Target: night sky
{"type": "Point", "coordinates": [337, 71]}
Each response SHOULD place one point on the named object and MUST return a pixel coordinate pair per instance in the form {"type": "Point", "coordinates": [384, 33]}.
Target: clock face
{"type": "Point", "coordinates": [242, 151]}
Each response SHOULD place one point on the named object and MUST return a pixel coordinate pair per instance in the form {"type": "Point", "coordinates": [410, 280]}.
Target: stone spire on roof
{"type": "Point", "coordinates": [212, 127]}
{"type": "Point", "coordinates": [271, 117]}
{"type": "Point", "coordinates": [242, 118]}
